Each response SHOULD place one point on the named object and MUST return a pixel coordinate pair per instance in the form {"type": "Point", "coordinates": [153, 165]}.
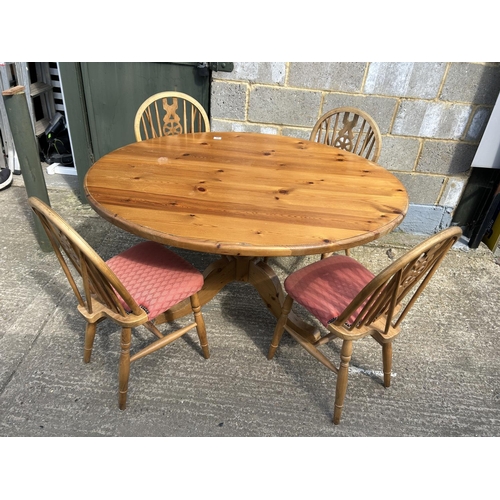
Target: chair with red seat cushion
{"type": "Point", "coordinates": [352, 303]}
{"type": "Point", "coordinates": [350, 129]}
{"type": "Point", "coordinates": [131, 289]}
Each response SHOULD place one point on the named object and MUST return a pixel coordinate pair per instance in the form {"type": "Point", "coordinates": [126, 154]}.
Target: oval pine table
{"type": "Point", "coordinates": [245, 196]}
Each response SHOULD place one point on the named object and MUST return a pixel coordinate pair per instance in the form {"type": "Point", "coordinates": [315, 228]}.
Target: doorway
{"type": "Point", "coordinates": [102, 98]}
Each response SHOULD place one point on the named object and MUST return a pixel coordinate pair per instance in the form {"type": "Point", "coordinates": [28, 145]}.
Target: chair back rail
{"type": "Point", "coordinates": [381, 299]}
{"type": "Point", "coordinates": [98, 280]}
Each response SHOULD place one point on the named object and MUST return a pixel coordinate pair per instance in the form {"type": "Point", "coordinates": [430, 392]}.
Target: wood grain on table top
{"type": "Point", "coordinates": [246, 194]}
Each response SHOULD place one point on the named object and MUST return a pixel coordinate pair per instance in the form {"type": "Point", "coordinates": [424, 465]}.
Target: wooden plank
{"type": "Point", "coordinates": [39, 88]}
{"type": "Point", "coordinates": [31, 169]}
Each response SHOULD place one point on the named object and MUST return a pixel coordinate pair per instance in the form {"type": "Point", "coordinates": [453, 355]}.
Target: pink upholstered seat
{"type": "Point", "coordinates": [155, 277]}
{"type": "Point", "coordinates": [325, 288]}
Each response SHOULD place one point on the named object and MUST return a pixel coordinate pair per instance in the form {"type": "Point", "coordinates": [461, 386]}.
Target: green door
{"type": "Point", "coordinates": [101, 100]}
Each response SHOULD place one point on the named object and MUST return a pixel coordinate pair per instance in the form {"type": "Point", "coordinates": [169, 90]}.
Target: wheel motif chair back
{"type": "Point", "coordinates": [169, 113]}
{"type": "Point", "coordinates": [381, 305]}
{"type": "Point", "coordinates": [99, 286]}
{"type": "Point", "coordinates": [349, 129]}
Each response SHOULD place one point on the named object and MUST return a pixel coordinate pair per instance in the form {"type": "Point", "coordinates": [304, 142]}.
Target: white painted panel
{"type": "Point", "coordinates": [488, 152]}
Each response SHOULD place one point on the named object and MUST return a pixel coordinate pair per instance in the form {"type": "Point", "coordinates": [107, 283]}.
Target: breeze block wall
{"type": "Point", "coordinates": [431, 117]}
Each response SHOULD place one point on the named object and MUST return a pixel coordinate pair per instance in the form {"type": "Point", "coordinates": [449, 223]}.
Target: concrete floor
{"type": "Point", "coordinates": [445, 370]}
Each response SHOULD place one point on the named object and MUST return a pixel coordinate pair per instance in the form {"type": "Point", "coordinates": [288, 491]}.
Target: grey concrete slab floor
{"type": "Point", "coordinates": [445, 370]}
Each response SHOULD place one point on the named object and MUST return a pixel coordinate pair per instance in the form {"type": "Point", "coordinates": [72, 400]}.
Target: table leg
{"type": "Point", "coordinates": [265, 281]}
{"type": "Point", "coordinates": [216, 276]}
{"type": "Point", "coordinates": [252, 270]}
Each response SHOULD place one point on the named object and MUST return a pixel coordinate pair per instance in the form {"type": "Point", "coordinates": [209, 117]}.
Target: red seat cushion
{"type": "Point", "coordinates": [325, 288]}
{"type": "Point", "coordinates": [156, 278]}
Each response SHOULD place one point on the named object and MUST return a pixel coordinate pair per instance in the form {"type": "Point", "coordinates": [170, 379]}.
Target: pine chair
{"type": "Point", "coordinates": [169, 113]}
{"type": "Point", "coordinates": [352, 303]}
{"type": "Point", "coordinates": [349, 129]}
{"type": "Point", "coordinates": [131, 289]}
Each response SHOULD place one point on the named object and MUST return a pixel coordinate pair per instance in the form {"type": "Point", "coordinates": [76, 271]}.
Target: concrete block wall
{"type": "Point", "coordinates": [431, 116]}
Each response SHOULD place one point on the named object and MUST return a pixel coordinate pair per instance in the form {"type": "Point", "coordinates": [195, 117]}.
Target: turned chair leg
{"type": "Point", "coordinates": [89, 341]}
{"type": "Point", "coordinates": [124, 369]}
{"type": "Point", "coordinates": [280, 326]}
{"type": "Point", "coordinates": [387, 360]}
{"type": "Point", "coordinates": [340, 391]}
{"type": "Point", "coordinates": [200, 325]}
